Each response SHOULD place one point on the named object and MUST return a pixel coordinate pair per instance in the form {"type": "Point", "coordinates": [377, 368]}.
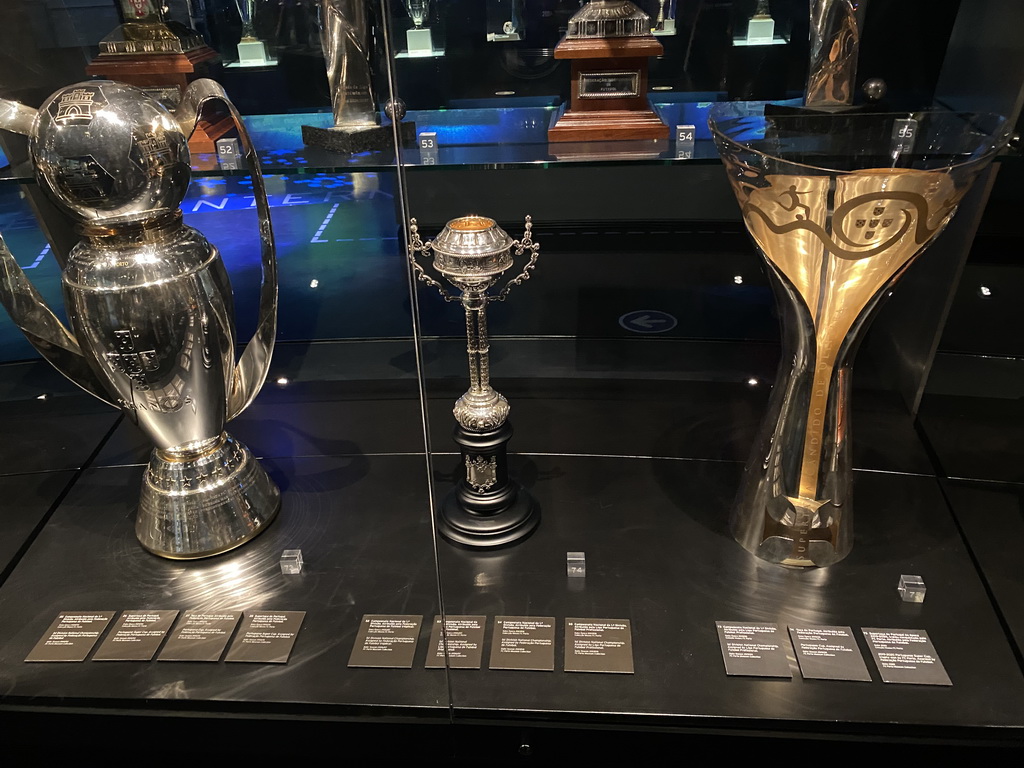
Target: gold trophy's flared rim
{"type": "Point", "coordinates": [1001, 137]}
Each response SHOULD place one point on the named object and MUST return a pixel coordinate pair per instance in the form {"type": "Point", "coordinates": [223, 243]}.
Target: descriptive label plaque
{"type": "Point", "coordinates": [608, 85]}
{"type": "Point", "coordinates": [136, 636]}
{"type": "Point", "coordinates": [200, 636]}
{"type": "Point", "coordinates": [266, 637]}
{"type": "Point", "coordinates": [599, 645]}
{"type": "Point", "coordinates": [71, 636]}
{"type": "Point", "coordinates": [906, 656]}
{"type": "Point", "coordinates": [387, 641]}
{"type": "Point", "coordinates": [828, 653]}
{"type": "Point", "coordinates": [757, 650]}
{"type": "Point", "coordinates": [523, 642]}
{"type": "Point", "coordinates": [465, 635]}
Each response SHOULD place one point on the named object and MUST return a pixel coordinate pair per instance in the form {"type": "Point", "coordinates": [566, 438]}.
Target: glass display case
{"type": "Point", "coordinates": [450, 268]}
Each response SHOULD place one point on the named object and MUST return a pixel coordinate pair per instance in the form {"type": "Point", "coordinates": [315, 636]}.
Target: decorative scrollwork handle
{"type": "Point", "coordinates": [522, 246]}
{"type": "Point", "coordinates": [416, 245]}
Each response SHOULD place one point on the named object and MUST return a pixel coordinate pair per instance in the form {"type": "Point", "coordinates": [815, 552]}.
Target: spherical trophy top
{"type": "Point", "coordinates": [472, 249]}
{"type": "Point", "coordinates": [109, 153]}
{"type": "Point", "coordinates": [609, 18]}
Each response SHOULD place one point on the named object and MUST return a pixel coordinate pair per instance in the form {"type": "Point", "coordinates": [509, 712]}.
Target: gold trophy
{"type": "Point", "coordinates": [839, 205]}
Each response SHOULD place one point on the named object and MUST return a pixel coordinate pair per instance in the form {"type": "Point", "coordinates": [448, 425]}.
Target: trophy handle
{"type": "Point", "coordinates": [522, 246]}
{"type": "Point", "coordinates": [23, 303]}
{"type": "Point", "coordinates": [416, 245]}
{"type": "Point", "coordinates": [43, 330]}
{"type": "Point", "coordinates": [251, 370]}
{"type": "Point", "coordinates": [15, 117]}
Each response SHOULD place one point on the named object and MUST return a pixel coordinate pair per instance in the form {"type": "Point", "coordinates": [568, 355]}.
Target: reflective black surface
{"type": "Point", "coordinates": [363, 526]}
{"type": "Point", "coordinates": [653, 529]}
{"type": "Point", "coordinates": [47, 422]}
{"type": "Point", "coordinates": [26, 500]}
{"type": "Point", "coordinates": [990, 515]}
{"type": "Point", "coordinates": [659, 553]}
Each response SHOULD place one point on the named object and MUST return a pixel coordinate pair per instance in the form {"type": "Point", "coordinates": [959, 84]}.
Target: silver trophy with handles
{"type": "Point", "coordinates": [150, 305]}
{"type": "Point", "coordinates": [487, 508]}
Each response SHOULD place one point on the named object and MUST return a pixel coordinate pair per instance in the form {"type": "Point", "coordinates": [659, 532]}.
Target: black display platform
{"type": "Point", "coordinates": [47, 422]}
{"type": "Point", "coordinates": [26, 500]}
{"type": "Point", "coordinates": [363, 525]}
{"type": "Point", "coordinates": [658, 553]}
{"type": "Point", "coordinates": [991, 516]}
{"type": "Point", "coordinates": [638, 473]}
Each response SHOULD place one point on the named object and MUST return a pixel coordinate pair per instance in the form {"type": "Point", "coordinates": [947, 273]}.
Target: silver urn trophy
{"type": "Point", "coordinates": [487, 508]}
{"type": "Point", "coordinates": [150, 305]}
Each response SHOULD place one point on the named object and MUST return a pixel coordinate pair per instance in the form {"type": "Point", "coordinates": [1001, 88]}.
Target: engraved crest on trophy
{"type": "Point", "coordinates": [487, 508]}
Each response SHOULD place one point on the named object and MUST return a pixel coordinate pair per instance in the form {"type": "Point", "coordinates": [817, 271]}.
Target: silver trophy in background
{"type": "Point", "coordinates": [150, 305]}
{"type": "Point", "coordinates": [487, 508]}
{"type": "Point", "coordinates": [347, 37]}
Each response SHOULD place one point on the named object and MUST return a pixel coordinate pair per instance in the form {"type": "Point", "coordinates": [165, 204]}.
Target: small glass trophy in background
{"type": "Point", "coordinates": [761, 27]}
{"type": "Point", "coordinates": [487, 508]}
{"type": "Point", "coordinates": [252, 52]}
{"type": "Point", "coordinates": [419, 38]}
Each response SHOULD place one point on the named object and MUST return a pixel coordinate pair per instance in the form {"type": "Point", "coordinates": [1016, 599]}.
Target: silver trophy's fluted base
{"type": "Point", "coordinates": [206, 505]}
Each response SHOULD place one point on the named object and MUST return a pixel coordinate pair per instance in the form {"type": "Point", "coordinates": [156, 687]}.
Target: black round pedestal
{"type": "Point", "coordinates": [486, 509]}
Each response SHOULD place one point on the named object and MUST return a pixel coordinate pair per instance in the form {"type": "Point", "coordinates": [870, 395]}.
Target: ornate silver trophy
{"type": "Point", "coordinates": [487, 508]}
{"type": "Point", "coordinates": [150, 305]}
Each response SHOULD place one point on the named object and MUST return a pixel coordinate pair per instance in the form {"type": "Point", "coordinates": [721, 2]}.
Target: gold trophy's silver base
{"type": "Point", "coordinates": [204, 503]}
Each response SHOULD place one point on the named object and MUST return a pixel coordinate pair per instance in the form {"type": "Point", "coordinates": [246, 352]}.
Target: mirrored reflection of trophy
{"type": "Point", "coordinates": [761, 27]}
{"type": "Point", "coordinates": [252, 52]}
{"type": "Point", "coordinates": [346, 34]}
{"type": "Point", "coordinates": [839, 206]}
{"type": "Point", "coordinates": [150, 51]}
{"type": "Point", "coordinates": [419, 38]}
{"type": "Point", "coordinates": [609, 43]}
{"type": "Point", "coordinates": [835, 46]}
{"type": "Point", "coordinates": [150, 305]}
{"type": "Point", "coordinates": [487, 508]}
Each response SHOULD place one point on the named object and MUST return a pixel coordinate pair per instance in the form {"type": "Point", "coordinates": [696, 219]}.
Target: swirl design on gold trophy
{"type": "Point", "coordinates": [835, 241]}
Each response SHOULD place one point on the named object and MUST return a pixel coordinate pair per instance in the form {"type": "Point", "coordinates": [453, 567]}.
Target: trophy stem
{"type": "Point", "coordinates": [793, 505]}
{"type": "Point", "coordinates": [476, 340]}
